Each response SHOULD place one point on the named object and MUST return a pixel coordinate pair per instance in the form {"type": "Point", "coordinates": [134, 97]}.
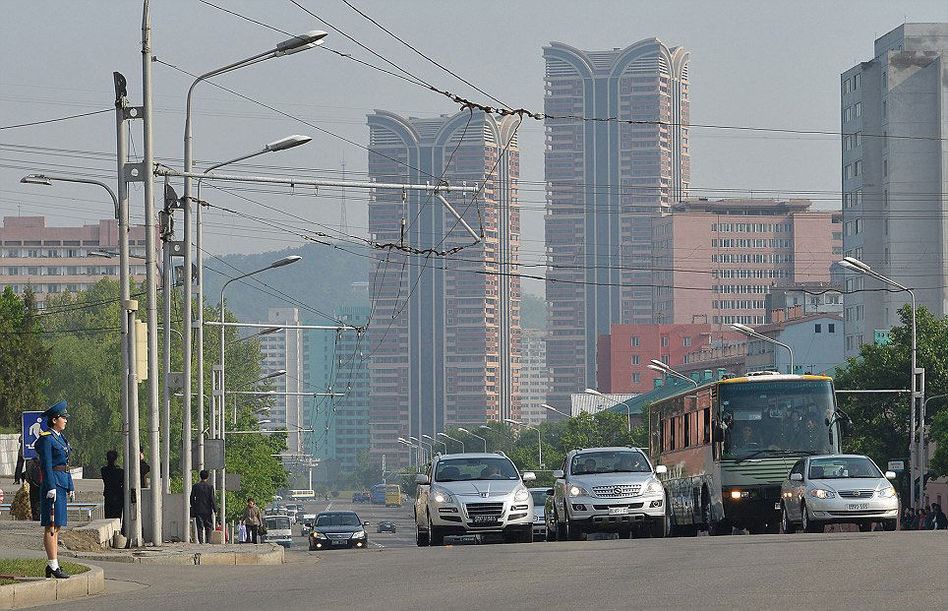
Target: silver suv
{"type": "Point", "coordinates": [464, 494]}
{"type": "Point", "coordinates": [608, 490]}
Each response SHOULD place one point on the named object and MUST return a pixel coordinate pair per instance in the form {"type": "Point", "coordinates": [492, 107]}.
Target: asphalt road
{"type": "Point", "coordinates": [908, 570]}
{"type": "Point", "coordinates": [373, 514]}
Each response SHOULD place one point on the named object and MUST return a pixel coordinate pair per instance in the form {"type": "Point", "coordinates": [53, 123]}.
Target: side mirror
{"type": "Point", "coordinates": [558, 474]}
{"type": "Point", "coordinates": [549, 492]}
{"type": "Point", "coordinates": [796, 477]}
{"type": "Point", "coordinates": [661, 470]}
{"type": "Point", "coordinates": [422, 479]}
{"type": "Point", "coordinates": [890, 474]}
{"type": "Point", "coordinates": [366, 523]}
{"type": "Point", "coordinates": [529, 476]}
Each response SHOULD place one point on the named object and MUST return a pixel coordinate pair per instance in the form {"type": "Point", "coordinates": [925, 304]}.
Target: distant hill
{"type": "Point", "coordinates": [322, 281]}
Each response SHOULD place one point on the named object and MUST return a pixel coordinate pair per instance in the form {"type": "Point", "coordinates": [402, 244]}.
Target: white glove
{"type": "Point", "coordinates": [72, 495]}
{"type": "Point", "coordinates": [51, 494]}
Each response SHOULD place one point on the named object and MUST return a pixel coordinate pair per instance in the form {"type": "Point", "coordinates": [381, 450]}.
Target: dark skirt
{"type": "Point", "coordinates": [54, 512]}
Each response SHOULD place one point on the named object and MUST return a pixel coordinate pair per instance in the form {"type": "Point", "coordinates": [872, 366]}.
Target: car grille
{"type": "Point", "coordinates": [856, 494]}
{"type": "Point", "coordinates": [614, 492]}
{"type": "Point", "coordinates": [338, 535]}
{"type": "Point", "coordinates": [494, 509]}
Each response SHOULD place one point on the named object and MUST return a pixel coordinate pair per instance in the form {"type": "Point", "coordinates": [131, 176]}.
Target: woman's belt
{"type": "Point", "coordinates": [60, 467]}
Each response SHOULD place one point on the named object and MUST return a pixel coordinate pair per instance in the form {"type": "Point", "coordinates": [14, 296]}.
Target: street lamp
{"type": "Point", "coordinates": [855, 265]}
{"type": "Point", "coordinates": [553, 409]}
{"type": "Point", "coordinates": [434, 441]}
{"type": "Point", "coordinates": [446, 436]}
{"type": "Point", "coordinates": [527, 426]}
{"type": "Point", "coordinates": [662, 367]}
{"type": "Point", "coordinates": [278, 263]}
{"type": "Point", "coordinates": [421, 444]}
{"type": "Point", "coordinates": [628, 408]}
{"type": "Point", "coordinates": [269, 376]}
{"type": "Point", "coordinates": [464, 430]}
{"type": "Point", "coordinates": [129, 389]}
{"type": "Point", "coordinates": [292, 45]}
{"type": "Point", "coordinates": [750, 332]}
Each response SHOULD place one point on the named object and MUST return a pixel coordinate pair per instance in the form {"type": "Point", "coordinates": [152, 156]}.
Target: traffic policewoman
{"type": "Point", "coordinates": [53, 452]}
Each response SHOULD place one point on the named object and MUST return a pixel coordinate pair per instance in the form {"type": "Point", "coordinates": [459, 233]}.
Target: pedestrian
{"type": "Point", "coordinates": [203, 506]}
{"type": "Point", "coordinates": [242, 532]}
{"type": "Point", "coordinates": [920, 518]}
{"type": "Point", "coordinates": [143, 469]}
{"type": "Point", "coordinates": [53, 450]}
{"type": "Point", "coordinates": [113, 486]}
{"type": "Point", "coordinates": [937, 519]}
{"type": "Point", "coordinates": [34, 477]}
{"type": "Point", "coordinates": [906, 522]}
{"type": "Point", "coordinates": [252, 520]}
{"type": "Point", "coordinates": [19, 472]}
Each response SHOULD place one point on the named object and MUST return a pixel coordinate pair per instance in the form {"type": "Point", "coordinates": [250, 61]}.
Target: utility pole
{"type": "Point", "coordinates": [151, 282]}
{"type": "Point", "coordinates": [167, 280]}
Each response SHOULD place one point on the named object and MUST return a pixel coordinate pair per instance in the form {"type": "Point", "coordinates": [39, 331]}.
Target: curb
{"type": "Point", "coordinates": [40, 591]}
{"type": "Point", "coordinates": [273, 557]}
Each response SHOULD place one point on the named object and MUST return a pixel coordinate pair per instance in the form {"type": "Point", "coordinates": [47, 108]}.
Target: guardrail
{"type": "Point", "coordinates": [91, 511]}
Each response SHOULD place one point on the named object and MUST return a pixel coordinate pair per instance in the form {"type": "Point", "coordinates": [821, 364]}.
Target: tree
{"type": "Point", "coordinates": [24, 360]}
{"type": "Point", "coordinates": [881, 423]}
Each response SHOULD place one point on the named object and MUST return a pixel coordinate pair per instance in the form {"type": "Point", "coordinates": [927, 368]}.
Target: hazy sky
{"type": "Point", "coordinates": [755, 63]}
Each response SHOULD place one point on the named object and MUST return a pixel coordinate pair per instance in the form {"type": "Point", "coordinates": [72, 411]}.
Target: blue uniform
{"type": "Point", "coordinates": [53, 451]}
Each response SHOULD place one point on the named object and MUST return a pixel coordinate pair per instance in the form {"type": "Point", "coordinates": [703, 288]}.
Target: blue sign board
{"type": "Point", "coordinates": [33, 424]}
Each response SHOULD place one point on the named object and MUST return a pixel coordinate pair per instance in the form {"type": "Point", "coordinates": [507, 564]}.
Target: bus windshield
{"type": "Point", "coordinates": [778, 417]}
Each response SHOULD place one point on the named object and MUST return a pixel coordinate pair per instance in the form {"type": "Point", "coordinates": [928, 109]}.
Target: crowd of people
{"type": "Point", "coordinates": [926, 518]}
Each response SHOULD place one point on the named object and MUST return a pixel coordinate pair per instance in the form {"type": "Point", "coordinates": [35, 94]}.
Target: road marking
{"type": "Point", "coordinates": [328, 507]}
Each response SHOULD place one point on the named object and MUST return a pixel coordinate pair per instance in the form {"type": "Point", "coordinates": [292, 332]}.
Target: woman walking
{"type": "Point", "coordinates": [252, 520]}
{"type": "Point", "coordinates": [53, 451]}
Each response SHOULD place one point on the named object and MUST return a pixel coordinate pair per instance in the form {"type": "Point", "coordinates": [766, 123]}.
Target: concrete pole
{"type": "Point", "coordinates": [151, 281]}
{"type": "Point", "coordinates": [128, 383]}
{"type": "Point", "coordinates": [914, 387]}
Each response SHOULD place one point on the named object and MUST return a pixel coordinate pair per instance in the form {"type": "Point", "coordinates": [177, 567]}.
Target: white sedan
{"type": "Point", "coordinates": [839, 488]}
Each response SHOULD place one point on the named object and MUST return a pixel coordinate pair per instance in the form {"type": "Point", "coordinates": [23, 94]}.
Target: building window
{"type": "Point", "coordinates": [686, 342]}
{"type": "Point", "coordinates": [831, 328]}
{"type": "Point", "coordinates": [664, 341]}
{"type": "Point", "coordinates": [818, 328]}
{"type": "Point", "coordinates": [635, 359]}
{"type": "Point", "coordinates": [635, 341]}
{"type": "Point", "coordinates": [636, 378]}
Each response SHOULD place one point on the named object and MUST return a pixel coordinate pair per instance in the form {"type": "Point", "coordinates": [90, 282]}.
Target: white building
{"type": "Point", "coordinates": [894, 183]}
{"type": "Point", "coordinates": [284, 350]}
{"type": "Point", "coordinates": [534, 377]}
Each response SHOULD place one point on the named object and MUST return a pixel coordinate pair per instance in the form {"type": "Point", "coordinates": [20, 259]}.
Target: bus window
{"type": "Point", "coordinates": [673, 424]}
{"type": "Point", "coordinates": [706, 412]}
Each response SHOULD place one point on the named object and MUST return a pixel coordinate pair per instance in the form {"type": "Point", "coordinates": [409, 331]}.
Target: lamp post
{"type": "Point", "coordinates": [434, 441]}
{"type": "Point", "coordinates": [421, 445]}
{"type": "Point", "coordinates": [412, 450]}
{"type": "Point", "coordinates": [287, 47]}
{"type": "Point", "coordinates": [446, 436]}
{"type": "Point", "coordinates": [464, 430]}
{"type": "Point", "coordinates": [187, 474]}
{"type": "Point", "coordinates": [269, 376]}
{"type": "Point", "coordinates": [547, 406]}
{"type": "Point", "coordinates": [279, 145]}
{"type": "Point", "coordinates": [662, 367]}
{"type": "Point", "coordinates": [749, 332]}
{"type": "Point", "coordinates": [860, 267]}
{"type": "Point", "coordinates": [129, 388]}
{"type": "Point", "coordinates": [628, 409]}
{"type": "Point", "coordinates": [539, 440]}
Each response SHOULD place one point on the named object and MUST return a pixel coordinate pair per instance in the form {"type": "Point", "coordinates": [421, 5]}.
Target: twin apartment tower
{"type": "Point", "coordinates": [445, 339]}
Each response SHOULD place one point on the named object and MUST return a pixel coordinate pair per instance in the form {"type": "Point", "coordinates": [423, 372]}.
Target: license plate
{"type": "Point", "coordinates": [618, 511]}
{"type": "Point", "coordinates": [339, 542]}
{"type": "Point", "coordinates": [857, 506]}
{"type": "Point", "coordinates": [485, 519]}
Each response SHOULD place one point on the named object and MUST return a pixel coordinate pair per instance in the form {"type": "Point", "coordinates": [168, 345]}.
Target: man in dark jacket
{"type": "Point", "coordinates": [202, 506]}
{"type": "Point", "coordinates": [113, 486]}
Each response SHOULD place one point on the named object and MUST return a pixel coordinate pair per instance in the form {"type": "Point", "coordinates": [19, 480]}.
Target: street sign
{"type": "Point", "coordinates": [33, 425]}
{"type": "Point", "coordinates": [896, 465]}
{"type": "Point", "coordinates": [213, 454]}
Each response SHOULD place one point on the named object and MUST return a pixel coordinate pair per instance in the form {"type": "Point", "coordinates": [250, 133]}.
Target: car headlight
{"type": "Point", "coordinates": [822, 493]}
{"type": "Point", "coordinates": [359, 534]}
{"type": "Point", "coordinates": [887, 493]}
{"type": "Point", "coordinates": [440, 495]}
{"type": "Point", "coordinates": [521, 495]}
{"type": "Point", "coordinates": [317, 535]}
{"type": "Point", "coordinates": [577, 491]}
{"type": "Point", "coordinates": [652, 487]}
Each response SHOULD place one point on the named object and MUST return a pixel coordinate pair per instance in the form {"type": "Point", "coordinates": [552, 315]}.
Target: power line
{"type": "Point", "coordinates": [57, 119]}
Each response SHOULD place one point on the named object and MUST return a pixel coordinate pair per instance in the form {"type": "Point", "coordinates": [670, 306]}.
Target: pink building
{"type": "Point", "coordinates": [716, 261]}
{"type": "Point", "coordinates": [54, 260]}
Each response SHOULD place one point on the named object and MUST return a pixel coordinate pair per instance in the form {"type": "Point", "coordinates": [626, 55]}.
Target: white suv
{"type": "Point", "coordinates": [608, 489]}
{"type": "Point", "coordinates": [464, 494]}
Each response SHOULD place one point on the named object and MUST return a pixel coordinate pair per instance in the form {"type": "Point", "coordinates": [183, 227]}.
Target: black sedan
{"type": "Point", "coordinates": [386, 526]}
{"type": "Point", "coordinates": [338, 529]}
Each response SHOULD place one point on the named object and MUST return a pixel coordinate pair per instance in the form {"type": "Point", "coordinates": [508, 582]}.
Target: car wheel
{"type": "Point", "coordinates": [561, 533]}
{"type": "Point", "coordinates": [526, 535]}
{"type": "Point", "coordinates": [786, 526]}
{"type": "Point", "coordinates": [421, 538]}
{"type": "Point", "coordinates": [573, 532]}
{"type": "Point", "coordinates": [550, 532]}
{"type": "Point", "coordinates": [658, 527]}
{"type": "Point", "coordinates": [435, 536]}
{"type": "Point", "coordinates": [807, 524]}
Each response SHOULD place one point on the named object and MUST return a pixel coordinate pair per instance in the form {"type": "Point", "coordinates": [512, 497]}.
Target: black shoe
{"type": "Point", "coordinates": [58, 573]}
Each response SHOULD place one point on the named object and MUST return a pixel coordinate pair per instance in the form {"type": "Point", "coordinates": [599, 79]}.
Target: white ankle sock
{"type": "Point", "coordinates": [53, 564]}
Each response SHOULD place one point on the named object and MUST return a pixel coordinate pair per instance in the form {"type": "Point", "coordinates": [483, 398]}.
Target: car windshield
{"type": "Point", "coordinates": [843, 468]}
{"type": "Point", "coordinates": [338, 519]}
{"type": "Point", "coordinates": [539, 497]}
{"type": "Point", "coordinates": [278, 523]}
{"type": "Point", "coordinates": [611, 461]}
{"type": "Point", "coordinates": [464, 469]}
{"type": "Point", "coordinates": [779, 417]}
